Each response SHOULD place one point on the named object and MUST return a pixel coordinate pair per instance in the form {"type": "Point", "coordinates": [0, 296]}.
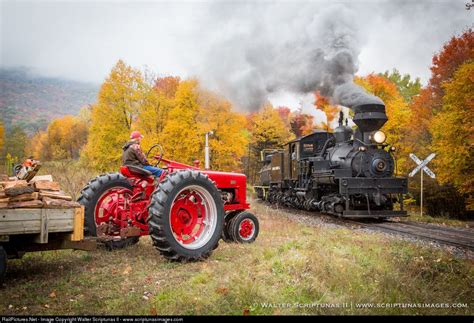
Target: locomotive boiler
{"type": "Point", "coordinates": [344, 173]}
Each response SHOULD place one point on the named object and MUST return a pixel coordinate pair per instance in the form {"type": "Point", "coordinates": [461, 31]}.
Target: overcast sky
{"type": "Point", "coordinates": [82, 40]}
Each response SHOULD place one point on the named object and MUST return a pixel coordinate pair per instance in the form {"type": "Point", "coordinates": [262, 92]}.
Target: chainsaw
{"type": "Point", "coordinates": [27, 170]}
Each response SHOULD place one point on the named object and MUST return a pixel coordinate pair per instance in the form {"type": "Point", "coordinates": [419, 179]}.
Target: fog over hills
{"type": "Point", "coordinates": [32, 101]}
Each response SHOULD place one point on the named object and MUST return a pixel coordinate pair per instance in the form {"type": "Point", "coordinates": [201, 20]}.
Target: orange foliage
{"type": "Point", "coordinates": [167, 85]}
{"type": "Point", "coordinates": [454, 53]}
{"type": "Point", "coordinates": [301, 124]}
{"type": "Point", "coordinates": [322, 103]}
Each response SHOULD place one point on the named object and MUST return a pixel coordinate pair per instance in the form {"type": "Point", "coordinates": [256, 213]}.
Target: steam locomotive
{"type": "Point", "coordinates": [344, 173]}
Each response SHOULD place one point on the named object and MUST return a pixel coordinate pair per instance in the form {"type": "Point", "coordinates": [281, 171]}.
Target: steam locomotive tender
{"type": "Point", "coordinates": [341, 173]}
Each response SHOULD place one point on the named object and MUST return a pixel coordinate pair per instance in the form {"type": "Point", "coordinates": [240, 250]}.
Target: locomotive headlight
{"type": "Point", "coordinates": [379, 137]}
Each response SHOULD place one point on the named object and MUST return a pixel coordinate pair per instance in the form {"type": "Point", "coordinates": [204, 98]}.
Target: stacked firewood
{"type": "Point", "coordinates": [35, 194]}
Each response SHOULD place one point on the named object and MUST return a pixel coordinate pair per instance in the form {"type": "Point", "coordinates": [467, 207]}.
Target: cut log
{"type": "Point", "coordinates": [53, 203]}
{"type": "Point", "coordinates": [2, 194]}
{"type": "Point", "coordinates": [25, 197]}
{"type": "Point", "coordinates": [16, 183]}
{"type": "Point", "coordinates": [48, 178]}
{"type": "Point", "coordinates": [5, 200]}
{"type": "Point", "coordinates": [47, 185]}
{"type": "Point", "coordinates": [25, 204]}
{"type": "Point", "coordinates": [14, 191]}
{"type": "Point", "coordinates": [3, 177]}
{"type": "Point", "coordinates": [3, 205]}
{"type": "Point", "coordinates": [55, 195]}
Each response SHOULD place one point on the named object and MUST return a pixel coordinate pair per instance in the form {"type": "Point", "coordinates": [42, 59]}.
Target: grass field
{"type": "Point", "coordinates": [290, 269]}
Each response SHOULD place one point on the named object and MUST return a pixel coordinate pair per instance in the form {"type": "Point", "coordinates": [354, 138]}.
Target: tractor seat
{"type": "Point", "coordinates": [134, 170]}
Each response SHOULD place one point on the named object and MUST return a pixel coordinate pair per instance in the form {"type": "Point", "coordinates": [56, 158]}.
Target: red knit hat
{"type": "Point", "coordinates": [135, 135]}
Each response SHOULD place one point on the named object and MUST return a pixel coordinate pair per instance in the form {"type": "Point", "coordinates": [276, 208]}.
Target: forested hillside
{"type": "Point", "coordinates": [31, 102]}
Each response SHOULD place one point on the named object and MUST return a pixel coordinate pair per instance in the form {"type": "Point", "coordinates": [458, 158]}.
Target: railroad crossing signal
{"type": "Point", "coordinates": [422, 165]}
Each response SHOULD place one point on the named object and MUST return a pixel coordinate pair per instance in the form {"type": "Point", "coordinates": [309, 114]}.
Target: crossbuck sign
{"type": "Point", "coordinates": [422, 165]}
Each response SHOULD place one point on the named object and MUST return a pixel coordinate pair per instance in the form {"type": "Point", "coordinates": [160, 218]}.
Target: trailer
{"type": "Point", "coordinates": [40, 229]}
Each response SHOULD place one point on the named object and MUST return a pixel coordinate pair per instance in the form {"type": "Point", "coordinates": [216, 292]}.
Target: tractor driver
{"type": "Point", "coordinates": [134, 156]}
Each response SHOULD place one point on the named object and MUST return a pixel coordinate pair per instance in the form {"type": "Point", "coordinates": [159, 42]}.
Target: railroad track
{"type": "Point", "coordinates": [458, 237]}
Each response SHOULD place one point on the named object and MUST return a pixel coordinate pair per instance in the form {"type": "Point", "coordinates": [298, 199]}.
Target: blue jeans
{"type": "Point", "coordinates": [154, 170]}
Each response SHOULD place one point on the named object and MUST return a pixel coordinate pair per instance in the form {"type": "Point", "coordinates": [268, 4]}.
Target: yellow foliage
{"type": "Point", "coordinates": [63, 139]}
{"type": "Point", "coordinates": [268, 129]}
{"type": "Point", "coordinates": [152, 116]}
{"type": "Point", "coordinates": [452, 131]}
{"type": "Point", "coordinates": [229, 140]}
{"type": "Point", "coordinates": [182, 139]}
{"type": "Point", "coordinates": [113, 116]}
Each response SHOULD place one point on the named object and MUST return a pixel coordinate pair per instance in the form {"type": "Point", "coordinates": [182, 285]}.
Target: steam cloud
{"type": "Point", "coordinates": [298, 49]}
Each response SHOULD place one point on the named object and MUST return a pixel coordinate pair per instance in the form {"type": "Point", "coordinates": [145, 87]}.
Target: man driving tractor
{"type": "Point", "coordinates": [134, 156]}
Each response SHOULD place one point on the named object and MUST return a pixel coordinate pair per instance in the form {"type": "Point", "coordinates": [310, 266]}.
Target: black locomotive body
{"type": "Point", "coordinates": [341, 173]}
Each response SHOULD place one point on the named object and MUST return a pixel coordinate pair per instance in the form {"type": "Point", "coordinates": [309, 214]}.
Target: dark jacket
{"type": "Point", "coordinates": [133, 154]}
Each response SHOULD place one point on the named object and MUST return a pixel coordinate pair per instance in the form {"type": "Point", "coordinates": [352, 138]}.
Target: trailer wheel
{"type": "Point", "coordinates": [244, 227]}
{"type": "Point", "coordinates": [3, 264]}
{"type": "Point", "coordinates": [186, 216]}
{"type": "Point", "coordinates": [95, 195]}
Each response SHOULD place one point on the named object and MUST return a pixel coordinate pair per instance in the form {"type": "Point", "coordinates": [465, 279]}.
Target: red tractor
{"type": "Point", "coordinates": [186, 211]}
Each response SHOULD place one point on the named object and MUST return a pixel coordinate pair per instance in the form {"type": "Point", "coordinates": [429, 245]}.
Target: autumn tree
{"type": "Point", "coordinates": [114, 116]}
{"type": "Point", "coordinates": [424, 106]}
{"type": "Point", "coordinates": [452, 131]}
{"type": "Point", "coordinates": [301, 124]}
{"type": "Point", "coordinates": [63, 139]}
{"type": "Point", "coordinates": [153, 114]}
{"type": "Point", "coordinates": [182, 139]}
{"type": "Point", "coordinates": [453, 54]}
{"type": "Point", "coordinates": [229, 140]}
{"type": "Point", "coordinates": [167, 85]}
{"type": "Point", "coordinates": [407, 87]}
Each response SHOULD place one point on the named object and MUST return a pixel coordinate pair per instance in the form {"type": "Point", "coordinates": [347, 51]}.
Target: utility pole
{"type": "Point", "coordinates": [206, 150]}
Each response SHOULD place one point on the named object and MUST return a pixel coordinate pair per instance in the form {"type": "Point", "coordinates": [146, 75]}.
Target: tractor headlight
{"type": "Point", "coordinates": [379, 137]}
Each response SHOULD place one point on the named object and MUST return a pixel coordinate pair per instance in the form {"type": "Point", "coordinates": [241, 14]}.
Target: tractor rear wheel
{"type": "Point", "coordinates": [186, 216]}
{"type": "Point", "coordinates": [244, 227]}
{"type": "Point", "coordinates": [102, 198]}
{"type": "Point", "coordinates": [3, 264]}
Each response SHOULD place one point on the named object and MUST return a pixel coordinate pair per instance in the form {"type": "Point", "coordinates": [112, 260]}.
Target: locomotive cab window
{"type": "Point", "coordinates": [293, 152]}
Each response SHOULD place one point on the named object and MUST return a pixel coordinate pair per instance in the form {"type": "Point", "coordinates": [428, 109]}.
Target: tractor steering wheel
{"type": "Point", "coordinates": [155, 149]}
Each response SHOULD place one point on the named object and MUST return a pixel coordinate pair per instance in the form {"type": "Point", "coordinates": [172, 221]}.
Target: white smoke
{"type": "Point", "coordinates": [298, 48]}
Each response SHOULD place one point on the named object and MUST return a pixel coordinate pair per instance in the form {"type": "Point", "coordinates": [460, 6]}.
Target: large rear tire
{"type": "Point", "coordinates": [90, 196]}
{"type": "Point", "coordinates": [186, 216]}
{"type": "Point", "coordinates": [3, 265]}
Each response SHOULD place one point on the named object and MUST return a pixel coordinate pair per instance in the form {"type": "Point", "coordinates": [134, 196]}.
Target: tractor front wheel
{"type": "Point", "coordinates": [186, 216]}
{"type": "Point", "coordinates": [3, 264]}
{"type": "Point", "coordinates": [244, 227]}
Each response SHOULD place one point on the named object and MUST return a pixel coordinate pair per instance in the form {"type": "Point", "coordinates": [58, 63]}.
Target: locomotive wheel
{"type": "Point", "coordinates": [3, 264]}
{"type": "Point", "coordinates": [186, 216]}
{"type": "Point", "coordinates": [244, 228]}
{"type": "Point", "coordinates": [101, 198]}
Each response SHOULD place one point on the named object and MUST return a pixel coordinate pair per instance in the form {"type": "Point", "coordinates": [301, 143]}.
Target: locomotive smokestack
{"type": "Point", "coordinates": [369, 117]}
